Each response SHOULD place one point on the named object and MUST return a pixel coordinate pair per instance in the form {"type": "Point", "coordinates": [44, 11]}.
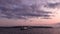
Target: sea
{"type": "Point", "coordinates": [30, 31]}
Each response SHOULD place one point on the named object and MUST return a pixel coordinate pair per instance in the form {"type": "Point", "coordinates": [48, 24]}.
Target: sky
{"type": "Point", "coordinates": [29, 12]}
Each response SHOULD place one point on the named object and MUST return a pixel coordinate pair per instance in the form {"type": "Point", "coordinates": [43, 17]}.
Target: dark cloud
{"type": "Point", "coordinates": [53, 5]}
{"type": "Point", "coordinates": [17, 13]}
{"type": "Point", "coordinates": [46, 18]}
{"type": "Point", "coordinates": [22, 11]}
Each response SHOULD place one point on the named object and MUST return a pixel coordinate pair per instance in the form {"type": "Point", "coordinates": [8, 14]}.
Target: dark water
{"type": "Point", "coordinates": [31, 31]}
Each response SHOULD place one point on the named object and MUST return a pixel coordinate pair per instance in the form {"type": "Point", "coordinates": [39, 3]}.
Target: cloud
{"type": "Point", "coordinates": [53, 5]}
{"type": "Point", "coordinates": [46, 18]}
{"type": "Point", "coordinates": [22, 11]}
{"type": "Point", "coordinates": [18, 13]}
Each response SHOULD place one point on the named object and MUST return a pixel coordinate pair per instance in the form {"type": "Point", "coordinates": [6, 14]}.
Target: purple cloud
{"type": "Point", "coordinates": [17, 10]}
{"type": "Point", "coordinates": [53, 5]}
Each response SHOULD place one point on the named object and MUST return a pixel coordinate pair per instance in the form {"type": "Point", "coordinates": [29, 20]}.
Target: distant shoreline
{"type": "Point", "coordinates": [28, 27]}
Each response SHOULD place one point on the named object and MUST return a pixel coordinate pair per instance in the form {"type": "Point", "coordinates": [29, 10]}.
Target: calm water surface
{"type": "Point", "coordinates": [31, 31]}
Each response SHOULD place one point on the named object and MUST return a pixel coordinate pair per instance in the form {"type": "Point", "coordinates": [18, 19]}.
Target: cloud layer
{"type": "Point", "coordinates": [21, 10]}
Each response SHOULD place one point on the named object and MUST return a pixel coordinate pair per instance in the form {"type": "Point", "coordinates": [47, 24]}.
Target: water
{"type": "Point", "coordinates": [31, 31]}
